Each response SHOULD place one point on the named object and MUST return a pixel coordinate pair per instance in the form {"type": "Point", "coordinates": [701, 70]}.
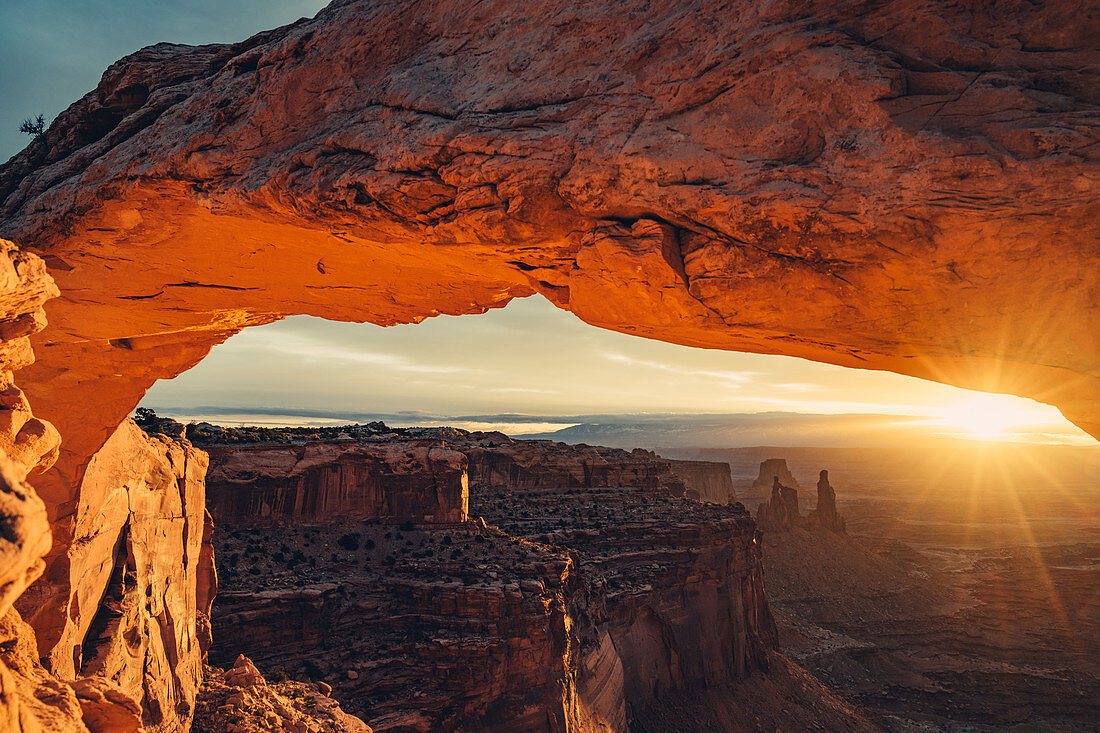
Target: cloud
{"type": "Point", "coordinates": [522, 390]}
{"type": "Point", "coordinates": [315, 349]}
{"type": "Point", "coordinates": [734, 378]}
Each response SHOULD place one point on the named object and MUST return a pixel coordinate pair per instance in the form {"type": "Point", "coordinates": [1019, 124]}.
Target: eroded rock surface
{"type": "Point", "coordinates": [676, 584]}
{"type": "Point", "coordinates": [240, 700]}
{"type": "Point", "coordinates": [422, 481]}
{"type": "Point", "coordinates": [772, 469]}
{"type": "Point", "coordinates": [903, 186]}
{"type": "Point", "coordinates": [499, 461]}
{"type": "Point", "coordinates": [825, 513]}
{"type": "Point", "coordinates": [780, 511]}
{"type": "Point", "coordinates": [130, 599]}
{"type": "Point", "coordinates": [415, 628]}
{"type": "Point", "coordinates": [32, 699]}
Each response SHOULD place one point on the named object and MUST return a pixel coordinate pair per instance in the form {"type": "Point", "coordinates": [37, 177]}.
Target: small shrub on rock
{"type": "Point", "coordinates": [349, 541]}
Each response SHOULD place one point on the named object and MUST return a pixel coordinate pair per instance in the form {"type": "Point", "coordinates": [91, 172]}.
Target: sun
{"type": "Point", "coordinates": [992, 416]}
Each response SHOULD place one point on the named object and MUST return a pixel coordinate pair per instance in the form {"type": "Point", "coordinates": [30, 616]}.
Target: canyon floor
{"type": "Point", "coordinates": [958, 601]}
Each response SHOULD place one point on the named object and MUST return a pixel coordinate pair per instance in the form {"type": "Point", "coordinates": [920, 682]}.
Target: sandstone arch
{"type": "Point", "coordinates": [903, 186]}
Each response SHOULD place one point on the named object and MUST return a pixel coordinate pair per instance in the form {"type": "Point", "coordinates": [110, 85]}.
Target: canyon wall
{"type": "Point", "coordinates": [606, 589]}
{"type": "Point", "coordinates": [459, 629]}
{"type": "Point", "coordinates": [136, 596]}
{"type": "Point", "coordinates": [907, 186]}
{"type": "Point", "coordinates": [706, 480]}
{"type": "Point", "coordinates": [421, 481]}
{"type": "Point", "coordinates": [497, 460]}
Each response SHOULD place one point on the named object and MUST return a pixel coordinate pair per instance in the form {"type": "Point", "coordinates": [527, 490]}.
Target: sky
{"type": "Point", "coordinates": [52, 52]}
{"type": "Point", "coordinates": [528, 358]}
{"type": "Point", "coordinates": [534, 359]}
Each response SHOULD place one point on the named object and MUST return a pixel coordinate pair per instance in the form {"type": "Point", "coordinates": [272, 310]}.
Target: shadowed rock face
{"type": "Point", "coordinates": [825, 513]}
{"type": "Point", "coordinates": [780, 511]}
{"type": "Point", "coordinates": [706, 480]}
{"type": "Point", "coordinates": [606, 589]}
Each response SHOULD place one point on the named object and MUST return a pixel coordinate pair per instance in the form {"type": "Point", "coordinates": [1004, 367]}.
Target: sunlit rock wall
{"type": "Point", "coordinates": [32, 698]}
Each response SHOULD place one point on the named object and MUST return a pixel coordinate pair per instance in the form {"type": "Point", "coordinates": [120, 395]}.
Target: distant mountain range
{"type": "Point", "coordinates": [631, 430]}
{"type": "Point", "coordinates": [744, 430]}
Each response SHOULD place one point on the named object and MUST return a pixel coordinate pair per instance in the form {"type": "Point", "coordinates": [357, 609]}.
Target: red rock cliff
{"type": "Point", "coordinates": [416, 629]}
{"type": "Point", "coordinates": [421, 481]}
{"type": "Point", "coordinates": [137, 571]}
{"type": "Point", "coordinates": [905, 186]}
{"type": "Point", "coordinates": [677, 586]}
{"type": "Point", "coordinates": [706, 480]}
{"type": "Point", "coordinates": [497, 460]}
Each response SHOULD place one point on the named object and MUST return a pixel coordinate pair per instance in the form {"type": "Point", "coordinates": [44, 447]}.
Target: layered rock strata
{"type": "Point", "coordinates": [421, 481]}
{"type": "Point", "coordinates": [499, 461]}
{"type": "Point", "coordinates": [608, 587]}
{"type": "Point", "coordinates": [926, 170]}
{"type": "Point", "coordinates": [676, 585]}
{"type": "Point", "coordinates": [706, 480]}
{"type": "Point", "coordinates": [415, 628]}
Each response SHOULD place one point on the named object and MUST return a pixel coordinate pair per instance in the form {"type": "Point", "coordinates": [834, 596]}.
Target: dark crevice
{"type": "Point", "coordinates": [190, 284]}
{"type": "Point", "coordinates": [110, 609]}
